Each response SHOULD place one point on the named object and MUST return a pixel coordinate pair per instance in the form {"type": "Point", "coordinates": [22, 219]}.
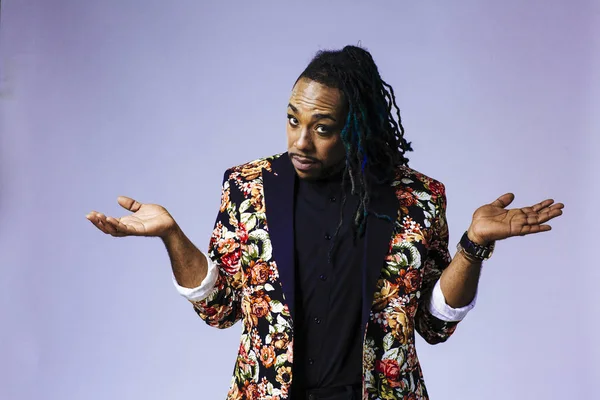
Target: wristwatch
{"type": "Point", "coordinates": [474, 250]}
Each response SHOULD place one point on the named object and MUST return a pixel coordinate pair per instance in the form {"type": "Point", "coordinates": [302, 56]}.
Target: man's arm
{"type": "Point", "coordinates": [188, 263]}
{"type": "Point", "coordinates": [194, 274]}
{"type": "Point", "coordinates": [459, 280]}
{"type": "Point", "coordinates": [493, 222]}
{"type": "Point", "coordinates": [211, 283]}
{"type": "Point", "coordinates": [217, 279]}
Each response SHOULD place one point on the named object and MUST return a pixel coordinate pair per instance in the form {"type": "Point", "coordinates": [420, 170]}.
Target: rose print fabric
{"type": "Point", "coordinates": [248, 288]}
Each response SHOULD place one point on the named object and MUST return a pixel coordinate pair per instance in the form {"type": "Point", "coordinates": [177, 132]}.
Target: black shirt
{"type": "Point", "coordinates": [327, 342]}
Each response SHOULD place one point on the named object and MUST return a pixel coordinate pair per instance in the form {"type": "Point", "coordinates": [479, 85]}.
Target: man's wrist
{"type": "Point", "coordinates": [472, 260]}
{"type": "Point", "coordinates": [475, 238]}
{"type": "Point", "coordinates": [473, 248]}
{"type": "Point", "coordinates": [172, 234]}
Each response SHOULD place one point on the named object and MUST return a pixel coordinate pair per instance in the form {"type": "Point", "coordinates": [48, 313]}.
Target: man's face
{"type": "Point", "coordinates": [316, 116]}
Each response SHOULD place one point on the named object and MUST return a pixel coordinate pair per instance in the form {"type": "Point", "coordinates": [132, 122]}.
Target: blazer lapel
{"type": "Point", "coordinates": [279, 208]}
{"type": "Point", "coordinates": [378, 237]}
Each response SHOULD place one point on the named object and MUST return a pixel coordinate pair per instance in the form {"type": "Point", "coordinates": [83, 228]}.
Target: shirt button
{"type": "Point", "coordinates": [332, 199]}
{"type": "Point", "coordinates": [327, 236]}
{"type": "Point", "coordinates": [317, 320]}
{"type": "Point", "coordinates": [323, 277]}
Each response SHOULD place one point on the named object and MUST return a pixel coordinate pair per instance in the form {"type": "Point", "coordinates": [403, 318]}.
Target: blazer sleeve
{"type": "Point", "coordinates": [222, 307]}
{"type": "Point", "coordinates": [431, 328]}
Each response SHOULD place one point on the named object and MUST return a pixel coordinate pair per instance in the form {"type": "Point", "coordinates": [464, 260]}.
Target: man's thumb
{"type": "Point", "coordinates": [504, 200]}
{"type": "Point", "coordinates": [128, 203]}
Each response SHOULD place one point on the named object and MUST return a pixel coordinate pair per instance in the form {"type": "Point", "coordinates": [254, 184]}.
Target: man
{"type": "Point", "coordinates": [333, 253]}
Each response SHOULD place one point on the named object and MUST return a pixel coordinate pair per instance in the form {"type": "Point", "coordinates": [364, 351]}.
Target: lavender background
{"type": "Point", "coordinates": [155, 99]}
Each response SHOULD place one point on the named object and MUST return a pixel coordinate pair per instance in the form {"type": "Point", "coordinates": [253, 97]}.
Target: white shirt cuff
{"type": "Point", "coordinates": [201, 292]}
{"type": "Point", "coordinates": [440, 309]}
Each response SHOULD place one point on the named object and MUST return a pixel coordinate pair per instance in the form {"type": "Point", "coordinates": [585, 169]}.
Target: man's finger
{"type": "Point", "coordinates": [118, 232]}
{"type": "Point", "coordinates": [109, 227]}
{"type": "Point", "coordinates": [504, 200]}
{"type": "Point", "coordinates": [530, 229]}
{"type": "Point", "coordinates": [128, 203]}
{"type": "Point", "coordinates": [554, 213]}
{"type": "Point", "coordinates": [121, 228]}
{"type": "Point", "coordinates": [528, 210]}
{"type": "Point", "coordinates": [543, 204]}
{"type": "Point", "coordinates": [98, 225]}
{"type": "Point", "coordinates": [101, 226]}
{"type": "Point", "coordinates": [93, 218]}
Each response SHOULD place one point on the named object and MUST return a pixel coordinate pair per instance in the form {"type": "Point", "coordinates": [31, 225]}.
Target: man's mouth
{"type": "Point", "coordinates": [303, 163]}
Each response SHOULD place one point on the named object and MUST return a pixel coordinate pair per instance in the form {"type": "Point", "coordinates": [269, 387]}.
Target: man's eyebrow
{"type": "Point", "coordinates": [324, 116]}
{"type": "Point", "coordinates": [315, 116]}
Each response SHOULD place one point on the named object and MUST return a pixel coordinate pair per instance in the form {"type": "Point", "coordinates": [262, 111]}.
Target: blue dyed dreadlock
{"type": "Point", "coordinates": [373, 134]}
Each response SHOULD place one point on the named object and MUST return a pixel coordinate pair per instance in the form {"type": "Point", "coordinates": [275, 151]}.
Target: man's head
{"type": "Point", "coordinates": [316, 117]}
{"type": "Point", "coordinates": [343, 116]}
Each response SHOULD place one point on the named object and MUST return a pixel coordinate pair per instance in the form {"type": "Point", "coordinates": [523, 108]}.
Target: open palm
{"type": "Point", "coordinates": [493, 221]}
{"type": "Point", "coordinates": [146, 220]}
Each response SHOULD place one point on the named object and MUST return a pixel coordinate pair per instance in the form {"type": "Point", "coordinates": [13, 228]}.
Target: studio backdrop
{"type": "Point", "coordinates": [155, 99]}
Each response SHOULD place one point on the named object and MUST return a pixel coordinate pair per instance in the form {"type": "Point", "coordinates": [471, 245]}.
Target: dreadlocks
{"type": "Point", "coordinates": [373, 134]}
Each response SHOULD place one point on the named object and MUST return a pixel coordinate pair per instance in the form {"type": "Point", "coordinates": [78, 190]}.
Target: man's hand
{"type": "Point", "coordinates": [146, 220]}
{"type": "Point", "coordinates": [189, 264]}
{"type": "Point", "coordinates": [493, 221]}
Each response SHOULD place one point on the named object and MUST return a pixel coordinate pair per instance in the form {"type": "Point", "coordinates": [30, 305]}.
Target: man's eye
{"type": "Point", "coordinates": [293, 120]}
{"type": "Point", "coordinates": [322, 129]}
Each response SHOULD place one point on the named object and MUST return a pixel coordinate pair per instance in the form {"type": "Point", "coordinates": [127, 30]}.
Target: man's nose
{"type": "Point", "coordinates": [304, 141]}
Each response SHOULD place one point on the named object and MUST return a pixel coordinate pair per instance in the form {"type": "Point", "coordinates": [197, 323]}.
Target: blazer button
{"type": "Point", "coordinates": [317, 320]}
{"type": "Point", "coordinates": [323, 277]}
{"type": "Point", "coordinates": [327, 236]}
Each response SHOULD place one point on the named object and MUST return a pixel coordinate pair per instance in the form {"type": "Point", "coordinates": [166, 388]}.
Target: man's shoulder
{"type": "Point", "coordinates": [252, 169]}
{"type": "Point", "coordinates": [416, 180]}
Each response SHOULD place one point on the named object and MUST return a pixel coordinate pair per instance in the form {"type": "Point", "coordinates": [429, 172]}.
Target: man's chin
{"type": "Point", "coordinates": [309, 175]}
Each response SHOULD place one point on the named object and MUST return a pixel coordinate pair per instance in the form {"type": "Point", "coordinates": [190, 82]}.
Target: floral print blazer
{"type": "Point", "coordinates": [252, 245]}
